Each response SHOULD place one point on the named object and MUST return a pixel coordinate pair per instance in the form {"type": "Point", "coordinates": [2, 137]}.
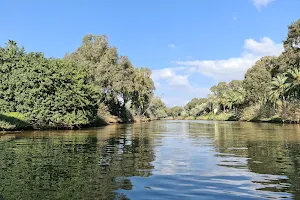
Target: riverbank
{"type": "Point", "coordinates": [18, 122]}
{"type": "Point", "coordinates": [234, 117]}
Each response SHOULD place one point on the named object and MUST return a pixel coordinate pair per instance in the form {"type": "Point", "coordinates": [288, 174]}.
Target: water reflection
{"type": "Point", "coordinates": [157, 160]}
{"type": "Point", "coordinates": [271, 151]}
{"type": "Point", "coordinates": [89, 164]}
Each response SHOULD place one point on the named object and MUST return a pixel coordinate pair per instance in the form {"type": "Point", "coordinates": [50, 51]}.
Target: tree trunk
{"type": "Point", "coordinates": [283, 107]}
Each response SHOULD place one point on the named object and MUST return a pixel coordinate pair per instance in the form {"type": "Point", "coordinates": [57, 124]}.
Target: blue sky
{"type": "Point", "coordinates": [189, 45]}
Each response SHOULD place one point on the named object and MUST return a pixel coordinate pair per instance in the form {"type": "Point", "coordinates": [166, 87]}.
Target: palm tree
{"type": "Point", "coordinates": [279, 89]}
{"type": "Point", "coordinates": [235, 98]}
{"type": "Point", "coordinates": [295, 82]}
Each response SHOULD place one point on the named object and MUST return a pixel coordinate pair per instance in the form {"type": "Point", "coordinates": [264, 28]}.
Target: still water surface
{"type": "Point", "coordinates": [156, 160]}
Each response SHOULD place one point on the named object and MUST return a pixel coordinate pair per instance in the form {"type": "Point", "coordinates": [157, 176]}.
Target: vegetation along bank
{"type": "Point", "coordinates": [92, 86]}
{"type": "Point", "coordinates": [95, 86]}
{"type": "Point", "coordinates": [270, 91]}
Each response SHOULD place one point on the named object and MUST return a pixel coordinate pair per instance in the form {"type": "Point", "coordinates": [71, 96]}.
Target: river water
{"type": "Point", "coordinates": [155, 160]}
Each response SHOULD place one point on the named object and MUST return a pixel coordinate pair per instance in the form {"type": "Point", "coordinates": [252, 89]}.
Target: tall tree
{"type": "Point", "coordinates": [119, 81]}
{"type": "Point", "coordinates": [257, 81]}
{"type": "Point", "coordinates": [279, 89]}
{"type": "Point", "coordinates": [143, 89]}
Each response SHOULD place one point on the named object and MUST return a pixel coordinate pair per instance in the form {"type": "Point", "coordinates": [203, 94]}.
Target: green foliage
{"type": "Point", "coordinates": [279, 87]}
{"type": "Point", "coordinates": [220, 117]}
{"type": "Point", "coordinates": [198, 109]}
{"type": "Point", "coordinates": [184, 114]}
{"type": "Point", "coordinates": [270, 91]}
{"type": "Point", "coordinates": [259, 112]}
{"type": "Point", "coordinates": [176, 111]}
{"type": "Point", "coordinates": [143, 90]}
{"type": "Point", "coordinates": [224, 117]}
{"type": "Point", "coordinates": [52, 92]}
{"type": "Point", "coordinates": [118, 80]}
{"type": "Point", "coordinates": [292, 113]}
{"type": "Point", "coordinates": [208, 116]}
{"type": "Point", "coordinates": [293, 40]}
{"type": "Point", "coordinates": [194, 102]}
{"type": "Point", "coordinates": [250, 113]}
{"type": "Point", "coordinates": [157, 108]}
{"type": "Point", "coordinates": [257, 81]}
{"type": "Point", "coordinates": [67, 93]}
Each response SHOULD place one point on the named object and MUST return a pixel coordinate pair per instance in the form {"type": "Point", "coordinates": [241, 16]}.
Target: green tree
{"type": "Point", "coordinates": [290, 58]}
{"type": "Point", "coordinates": [220, 92]}
{"type": "Point", "coordinates": [257, 81]}
{"type": "Point", "coordinates": [193, 103]}
{"type": "Point", "coordinates": [118, 80]}
{"type": "Point", "coordinates": [50, 92]}
{"type": "Point", "coordinates": [143, 90]}
{"type": "Point", "coordinates": [235, 96]}
{"type": "Point", "coordinates": [157, 108]}
{"type": "Point", "coordinates": [176, 111]}
{"type": "Point", "coordinates": [279, 90]}
{"type": "Point", "coordinates": [294, 79]}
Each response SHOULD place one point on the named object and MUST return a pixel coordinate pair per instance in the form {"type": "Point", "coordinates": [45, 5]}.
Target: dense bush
{"type": "Point", "coordinates": [88, 87]}
{"type": "Point", "coordinates": [51, 92]}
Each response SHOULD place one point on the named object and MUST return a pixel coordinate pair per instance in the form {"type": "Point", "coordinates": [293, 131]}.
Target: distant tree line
{"type": "Point", "coordinates": [90, 86]}
{"type": "Point", "coordinates": [270, 90]}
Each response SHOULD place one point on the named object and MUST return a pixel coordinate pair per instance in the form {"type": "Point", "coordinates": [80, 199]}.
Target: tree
{"type": "Point", "coordinates": [294, 79]}
{"type": "Point", "coordinates": [157, 108]}
{"type": "Point", "coordinates": [279, 90]}
{"type": "Point", "coordinates": [199, 109]}
{"type": "Point", "coordinates": [257, 81]}
{"type": "Point", "coordinates": [193, 103]}
{"type": "Point", "coordinates": [235, 96]}
{"type": "Point", "coordinates": [290, 58]}
{"type": "Point", "coordinates": [176, 111]}
{"type": "Point", "coordinates": [220, 92]}
{"type": "Point", "coordinates": [293, 38]}
{"type": "Point", "coordinates": [143, 90]}
{"type": "Point", "coordinates": [118, 80]}
{"type": "Point", "coordinates": [50, 92]}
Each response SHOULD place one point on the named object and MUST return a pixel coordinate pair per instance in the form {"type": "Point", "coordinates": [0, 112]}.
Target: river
{"type": "Point", "coordinates": [155, 160]}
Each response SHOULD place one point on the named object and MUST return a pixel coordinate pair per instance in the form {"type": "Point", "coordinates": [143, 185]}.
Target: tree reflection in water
{"type": "Point", "coordinates": [87, 164]}
{"type": "Point", "coordinates": [268, 149]}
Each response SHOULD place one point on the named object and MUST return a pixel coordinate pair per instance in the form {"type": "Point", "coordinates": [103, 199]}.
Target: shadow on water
{"type": "Point", "coordinates": [8, 122]}
{"type": "Point", "coordinates": [87, 164]}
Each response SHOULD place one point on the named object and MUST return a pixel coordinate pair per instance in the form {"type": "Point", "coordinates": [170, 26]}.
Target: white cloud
{"type": "Point", "coordinates": [174, 83]}
{"type": "Point", "coordinates": [169, 74]}
{"type": "Point", "coordinates": [235, 68]}
{"type": "Point", "coordinates": [259, 4]}
{"type": "Point", "coordinates": [171, 45]}
{"type": "Point", "coordinates": [179, 80]}
{"type": "Point", "coordinates": [181, 97]}
{"type": "Point", "coordinates": [265, 47]}
{"type": "Point", "coordinates": [165, 73]}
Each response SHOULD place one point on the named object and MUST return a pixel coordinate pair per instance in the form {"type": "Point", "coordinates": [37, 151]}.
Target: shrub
{"type": "Point", "coordinates": [250, 113]}
{"type": "Point", "coordinates": [52, 92]}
